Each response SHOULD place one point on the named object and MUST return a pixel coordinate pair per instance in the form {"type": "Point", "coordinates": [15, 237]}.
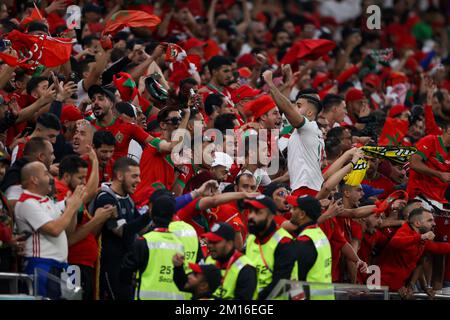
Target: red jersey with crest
{"type": "Point", "coordinates": [123, 132]}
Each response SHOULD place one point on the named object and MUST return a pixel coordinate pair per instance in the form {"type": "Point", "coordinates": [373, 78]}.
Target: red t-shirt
{"type": "Point", "coordinates": [199, 218]}
{"type": "Point", "coordinates": [105, 174]}
{"type": "Point", "coordinates": [85, 251]}
{"type": "Point", "coordinates": [124, 132]}
{"type": "Point", "coordinates": [436, 156]}
{"type": "Point", "coordinates": [335, 235]}
{"type": "Point", "coordinates": [369, 242]}
{"type": "Point", "coordinates": [155, 166]}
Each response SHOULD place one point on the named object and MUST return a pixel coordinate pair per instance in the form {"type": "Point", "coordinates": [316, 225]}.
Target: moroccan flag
{"type": "Point", "coordinates": [308, 49]}
{"type": "Point", "coordinates": [130, 18]}
{"type": "Point", "coordinates": [34, 16]}
{"type": "Point", "coordinates": [126, 86]}
{"type": "Point", "coordinates": [394, 130]}
{"type": "Point", "coordinates": [43, 49]}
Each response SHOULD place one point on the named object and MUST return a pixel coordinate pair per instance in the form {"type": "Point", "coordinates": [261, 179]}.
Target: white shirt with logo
{"type": "Point", "coordinates": [32, 211]}
{"type": "Point", "coordinates": [306, 150]}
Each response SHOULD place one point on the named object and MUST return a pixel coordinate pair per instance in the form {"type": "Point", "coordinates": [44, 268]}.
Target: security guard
{"type": "Point", "coordinates": [184, 231]}
{"type": "Point", "coordinates": [239, 277]}
{"type": "Point", "coordinates": [151, 256]}
{"type": "Point", "coordinates": [269, 248]}
{"type": "Point", "coordinates": [312, 246]}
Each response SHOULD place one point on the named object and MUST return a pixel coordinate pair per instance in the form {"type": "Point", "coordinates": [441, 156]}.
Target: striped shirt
{"type": "Point", "coordinates": [32, 211]}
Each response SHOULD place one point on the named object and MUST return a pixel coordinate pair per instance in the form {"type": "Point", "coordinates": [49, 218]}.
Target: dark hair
{"type": "Point", "coordinates": [103, 137]}
{"type": "Point", "coordinates": [307, 91]}
{"type": "Point", "coordinates": [218, 61]}
{"type": "Point", "coordinates": [89, 39]}
{"type": "Point", "coordinates": [117, 53]}
{"type": "Point", "coordinates": [164, 113]}
{"type": "Point", "coordinates": [123, 164]}
{"type": "Point", "coordinates": [312, 100]}
{"type": "Point", "coordinates": [416, 214]}
{"type": "Point", "coordinates": [270, 188]}
{"type": "Point", "coordinates": [70, 164]}
{"type": "Point", "coordinates": [331, 100]}
{"type": "Point", "coordinates": [335, 133]}
{"type": "Point", "coordinates": [83, 65]}
{"type": "Point", "coordinates": [8, 26]}
{"type": "Point", "coordinates": [224, 121]}
{"type": "Point", "coordinates": [49, 120]}
{"type": "Point", "coordinates": [33, 83]}
{"type": "Point", "coordinates": [189, 81]}
{"type": "Point", "coordinates": [36, 26]}
{"type": "Point", "coordinates": [239, 176]}
{"type": "Point", "coordinates": [34, 146]}
{"type": "Point", "coordinates": [333, 148]}
{"type": "Point", "coordinates": [213, 100]}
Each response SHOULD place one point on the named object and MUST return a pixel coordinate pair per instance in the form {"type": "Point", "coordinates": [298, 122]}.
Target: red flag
{"type": "Point", "coordinates": [9, 60]}
{"type": "Point", "coordinates": [394, 130]}
{"type": "Point", "coordinates": [34, 16]}
{"type": "Point", "coordinates": [14, 61]}
{"type": "Point", "coordinates": [43, 49]}
{"type": "Point", "coordinates": [308, 49]}
{"type": "Point", "coordinates": [174, 53]}
{"type": "Point", "coordinates": [130, 18]}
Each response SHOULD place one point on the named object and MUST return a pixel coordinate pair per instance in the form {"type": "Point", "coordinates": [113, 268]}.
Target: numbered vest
{"type": "Point", "coordinates": [321, 270]}
{"type": "Point", "coordinates": [157, 279]}
{"type": "Point", "coordinates": [226, 289]}
{"type": "Point", "coordinates": [188, 237]}
{"type": "Point", "coordinates": [263, 257]}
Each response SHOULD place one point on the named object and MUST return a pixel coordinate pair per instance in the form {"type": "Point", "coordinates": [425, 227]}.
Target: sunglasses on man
{"type": "Point", "coordinates": [174, 121]}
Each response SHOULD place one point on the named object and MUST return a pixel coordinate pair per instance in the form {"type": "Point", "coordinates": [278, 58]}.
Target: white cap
{"type": "Point", "coordinates": [222, 159]}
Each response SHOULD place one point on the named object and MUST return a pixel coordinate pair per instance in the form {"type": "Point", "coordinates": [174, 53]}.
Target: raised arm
{"type": "Point", "coordinates": [92, 183]}
{"type": "Point", "coordinates": [73, 203]}
{"type": "Point", "coordinates": [283, 103]}
{"type": "Point", "coordinates": [31, 111]}
{"type": "Point", "coordinates": [101, 60]}
{"type": "Point", "coordinates": [217, 200]}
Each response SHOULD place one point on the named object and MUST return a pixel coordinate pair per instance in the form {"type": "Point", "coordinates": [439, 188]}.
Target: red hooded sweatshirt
{"type": "Point", "coordinates": [399, 259]}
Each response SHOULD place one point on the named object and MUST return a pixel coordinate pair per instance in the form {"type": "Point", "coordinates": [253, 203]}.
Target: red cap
{"type": "Point", "coordinates": [255, 204]}
{"type": "Point", "coordinates": [292, 200]}
{"type": "Point", "coordinates": [259, 106]}
{"type": "Point", "coordinates": [397, 110]}
{"type": "Point", "coordinates": [396, 78]}
{"type": "Point", "coordinates": [246, 60]}
{"type": "Point", "coordinates": [354, 95]}
{"type": "Point", "coordinates": [373, 79]}
{"type": "Point", "coordinates": [244, 92]}
{"type": "Point", "coordinates": [193, 43]}
{"type": "Point", "coordinates": [245, 72]}
{"type": "Point", "coordinates": [212, 237]}
{"type": "Point", "coordinates": [70, 113]}
{"type": "Point", "coordinates": [319, 79]}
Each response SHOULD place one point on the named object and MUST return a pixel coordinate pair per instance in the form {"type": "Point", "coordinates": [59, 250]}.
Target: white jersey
{"type": "Point", "coordinates": [32, 211]}
{"type": "Point", "coordinates": [135, 151]}
{"type": "Point", "coordinates": [306, 150]}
